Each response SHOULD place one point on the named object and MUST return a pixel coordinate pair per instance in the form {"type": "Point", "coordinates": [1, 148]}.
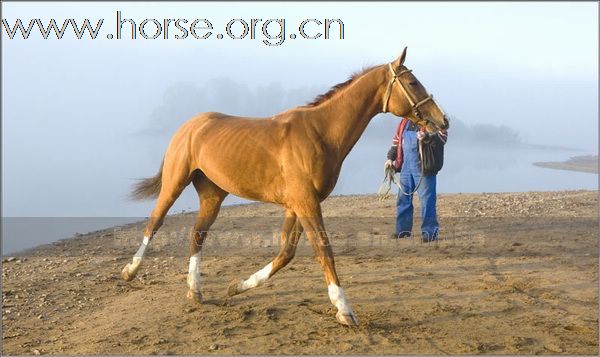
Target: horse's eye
{"type": "Point", "coordinates": [413, 83]}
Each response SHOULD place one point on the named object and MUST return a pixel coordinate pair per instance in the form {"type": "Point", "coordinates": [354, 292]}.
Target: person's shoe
{"type": "Point", "coordinates": [428, 238]}
{"type": "Point", "coordinates": [400, 236]}
{"type": "Point", "coordinates": [404, 235]}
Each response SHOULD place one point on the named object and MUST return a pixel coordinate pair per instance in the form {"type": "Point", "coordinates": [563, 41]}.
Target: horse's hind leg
{"type": "Point", "coordinates": [211, 197]}
{"type": "Point", "coordinates": [176, 176]}
{"type": "Point", "coordinates": [290, 235]}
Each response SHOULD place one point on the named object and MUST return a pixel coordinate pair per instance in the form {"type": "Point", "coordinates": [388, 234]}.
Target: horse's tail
{"type": "Point", "coordinates": [148, 188]}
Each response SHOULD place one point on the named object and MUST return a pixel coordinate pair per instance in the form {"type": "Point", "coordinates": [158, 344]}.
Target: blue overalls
{"type": "Point", "coordinates": [409, 177]}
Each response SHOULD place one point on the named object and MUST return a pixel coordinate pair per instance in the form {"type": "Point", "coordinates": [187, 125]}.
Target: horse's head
{"type": "Point", "coordinates": [405, 96]}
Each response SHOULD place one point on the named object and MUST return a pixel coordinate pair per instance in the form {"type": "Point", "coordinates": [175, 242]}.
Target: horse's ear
{"type": "Point", "coordinates": [400, 60]}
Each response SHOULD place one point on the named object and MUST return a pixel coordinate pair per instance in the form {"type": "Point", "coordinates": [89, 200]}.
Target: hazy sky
{"type": "Point", "coordinates": [82, 118]}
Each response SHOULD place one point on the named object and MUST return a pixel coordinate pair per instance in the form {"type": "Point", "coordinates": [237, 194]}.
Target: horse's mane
{"type": "Point", "coordinates": [336, 88]}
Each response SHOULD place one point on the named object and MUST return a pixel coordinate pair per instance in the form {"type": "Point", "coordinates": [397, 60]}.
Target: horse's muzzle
{"type": "Point", "coordinates": [446, 124]}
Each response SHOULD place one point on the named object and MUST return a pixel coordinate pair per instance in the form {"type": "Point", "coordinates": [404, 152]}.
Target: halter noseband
{"type": "Point", "coordinates": [414, 106]}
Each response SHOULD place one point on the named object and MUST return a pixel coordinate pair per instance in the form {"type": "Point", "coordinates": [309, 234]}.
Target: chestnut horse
{"type": "Point", "coordinates": [292, 159]}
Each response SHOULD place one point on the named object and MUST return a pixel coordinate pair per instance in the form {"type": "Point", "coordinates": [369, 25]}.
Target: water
{"type": "Point", "coordinates": [20, 233]}
{"type": "Point", "coordinates": [466, 169]}
{"type": "Point", "coordinates": [471, 170]}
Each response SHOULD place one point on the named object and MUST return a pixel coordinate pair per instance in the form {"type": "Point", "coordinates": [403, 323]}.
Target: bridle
{"type": "Point", "coordinates": [414, 106]}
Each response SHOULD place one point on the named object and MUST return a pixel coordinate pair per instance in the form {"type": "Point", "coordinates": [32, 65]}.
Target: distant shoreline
{"type": "Point", "coordinates": [588, 163]}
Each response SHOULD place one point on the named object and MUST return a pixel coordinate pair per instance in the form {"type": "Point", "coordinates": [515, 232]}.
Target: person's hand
{"type": "Point", "coordinates": [421, 135]}
{"type": "Point", "coordinates": [388, 164]}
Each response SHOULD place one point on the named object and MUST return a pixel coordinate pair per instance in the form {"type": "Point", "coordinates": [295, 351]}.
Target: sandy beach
{"type": "Point", "coordinates": [513, 273]}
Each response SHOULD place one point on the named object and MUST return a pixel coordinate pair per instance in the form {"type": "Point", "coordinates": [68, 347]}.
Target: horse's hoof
{"type": "Point", "coordinates": [196, 296]}
{"type": "Point", "coordinates": [125, 274]}
{"type": "Point", "coordinates": [348, 320]}
{"type": "Point", "coordinates": [234, 288]}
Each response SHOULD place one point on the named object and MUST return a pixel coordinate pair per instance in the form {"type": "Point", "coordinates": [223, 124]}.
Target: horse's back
{"type": "Point", "coordinates": [215, 121]}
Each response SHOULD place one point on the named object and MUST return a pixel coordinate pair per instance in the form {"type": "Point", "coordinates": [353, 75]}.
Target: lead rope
{"type": "Point", "coordinates": [390, 176]}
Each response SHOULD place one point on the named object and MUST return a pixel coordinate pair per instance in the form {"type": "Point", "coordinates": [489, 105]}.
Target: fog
{"type": "Point", "coordinates": [88, 170]}
{"type": "Point", "coordinates": [83, 119]}
{"type": "Point", "coordinates": [480, 157]}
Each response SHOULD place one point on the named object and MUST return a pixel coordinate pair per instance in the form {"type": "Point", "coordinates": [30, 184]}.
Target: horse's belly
{"type": "Point", "coordinates": [246, 183]}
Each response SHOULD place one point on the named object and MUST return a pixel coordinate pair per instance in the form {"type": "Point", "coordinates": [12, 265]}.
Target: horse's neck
{"type": "Point", "coordinates": [344, 117]}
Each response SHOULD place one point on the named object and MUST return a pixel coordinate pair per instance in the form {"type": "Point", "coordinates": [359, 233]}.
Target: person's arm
{"type": "Point", "coordinates": [392, 152]}
{"type": "Point", "coordinates": [391, 156]}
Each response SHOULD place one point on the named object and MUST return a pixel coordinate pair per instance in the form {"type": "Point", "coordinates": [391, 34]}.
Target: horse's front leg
{"type": "Point", "coordinates": [309, 214]}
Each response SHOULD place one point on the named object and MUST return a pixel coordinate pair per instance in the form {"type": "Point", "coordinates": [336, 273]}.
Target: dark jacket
{"type": "Point", "coordinates": [432, 148]}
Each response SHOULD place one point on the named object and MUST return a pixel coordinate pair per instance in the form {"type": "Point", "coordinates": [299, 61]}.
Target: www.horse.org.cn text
{"type": "Point", "coordinates": [270, 32]}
